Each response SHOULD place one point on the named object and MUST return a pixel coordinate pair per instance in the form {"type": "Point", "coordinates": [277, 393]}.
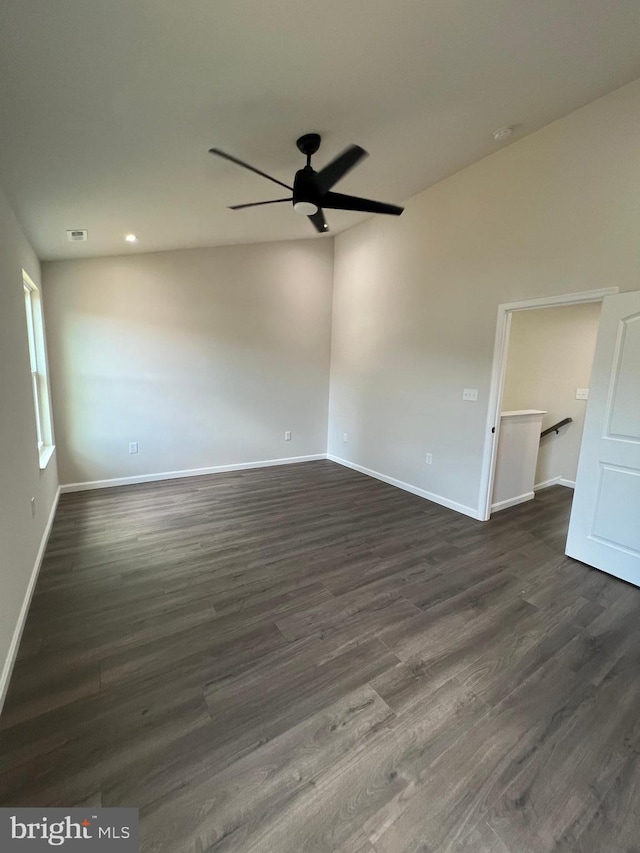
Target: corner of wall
{"type": "Point", "coordinates": [24, 536]}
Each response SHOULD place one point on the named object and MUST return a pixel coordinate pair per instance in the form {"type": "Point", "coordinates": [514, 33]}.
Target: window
{"type": "Point", "coordinates": [38, 364]}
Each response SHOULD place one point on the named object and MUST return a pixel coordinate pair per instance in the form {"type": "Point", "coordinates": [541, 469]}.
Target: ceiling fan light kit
{"type": "Point", "coordinates": [305, 208]}
{"type": "Point", "coordinates": [312, 190]}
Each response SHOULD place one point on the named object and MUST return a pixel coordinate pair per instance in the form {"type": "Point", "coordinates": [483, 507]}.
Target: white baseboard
{"type": "Point", "coordinates": [554, 481]}
{"type": "Point", "coordinates": [10, 660]}
{"type": "Point", "coordinates": [519, 499]}
{"type": "Point", "coordinates": [407, 487]}
{"type": "Point", "coordinates": [189, 472]}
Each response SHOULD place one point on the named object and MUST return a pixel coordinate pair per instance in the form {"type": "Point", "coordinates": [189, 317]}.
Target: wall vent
{"type": "Point", "coordinates": [78, 235]}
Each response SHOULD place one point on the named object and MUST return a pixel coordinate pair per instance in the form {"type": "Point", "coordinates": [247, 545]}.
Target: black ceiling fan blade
{"type": "Point", "coordinates": [258, 203]}
{"type": "Point", "coordinates": [339, 201]}
{"type": "Point", "coordinates": [319, 221]}
{"type": "Point", "coordinates": [247, 166]}
{"type": "Point", "coordinates": [339, 167]}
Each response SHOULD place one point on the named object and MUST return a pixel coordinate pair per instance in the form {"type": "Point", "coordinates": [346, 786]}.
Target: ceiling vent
{"type": "Point", "coordinates": [78, 235]}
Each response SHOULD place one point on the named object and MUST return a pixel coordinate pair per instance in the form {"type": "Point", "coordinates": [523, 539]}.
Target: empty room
{"type": "Point", "coordinates": [320, 426]}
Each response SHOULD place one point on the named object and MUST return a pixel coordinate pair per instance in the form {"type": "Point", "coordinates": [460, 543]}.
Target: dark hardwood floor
{"type": "Point", "coordinates": [305, 659]}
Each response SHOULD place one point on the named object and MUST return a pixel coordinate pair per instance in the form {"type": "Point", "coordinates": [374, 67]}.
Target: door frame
{"type": "Point", "coordinates": [498, 373]}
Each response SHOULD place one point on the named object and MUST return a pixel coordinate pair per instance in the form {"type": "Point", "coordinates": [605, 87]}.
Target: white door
{"type": "Point", "coordinates": [604, 530]}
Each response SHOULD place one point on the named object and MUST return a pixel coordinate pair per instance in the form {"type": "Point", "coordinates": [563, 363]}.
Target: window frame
{"type": "Point", "coordinates": [38, 369]}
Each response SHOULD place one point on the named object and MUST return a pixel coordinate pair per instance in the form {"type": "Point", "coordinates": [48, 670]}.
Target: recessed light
{"type": "Point", "coordinates": [502, 133]}
{"type": "Point", "coordinates": [131, 238]}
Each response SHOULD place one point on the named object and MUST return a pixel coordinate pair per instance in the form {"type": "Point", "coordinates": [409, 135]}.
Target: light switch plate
{"type": "Point", "coordinates": [470, 394]}
{"type": "Point", "coordinates": [582, 393]}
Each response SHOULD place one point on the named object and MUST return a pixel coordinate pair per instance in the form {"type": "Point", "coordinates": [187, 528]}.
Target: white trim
{"type": "Point", "coordinates": [520, 499]}
{"type": "Point", "coordinates": [45, 454]}
{"type": "Point", "coordinates": [578, 296]}
{"type": "Point", "coordinates": [39, 370]}
{"type": "Point", "coordinates": [189, 472]}
{"type": "Point", "coordinates": [498, 372]}
{"type": "Point", "coordinates": [407, 487]}
{"type": "Point", "coordinates": [10, 660]}
{"type": "Point", "coordinates": [554, 481]}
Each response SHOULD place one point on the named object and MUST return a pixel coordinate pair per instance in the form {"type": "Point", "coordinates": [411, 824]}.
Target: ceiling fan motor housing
{"type": "Point", "coordinates": [305, 187]}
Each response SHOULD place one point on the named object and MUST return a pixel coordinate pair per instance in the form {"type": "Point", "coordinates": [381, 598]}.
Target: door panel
{"type": "Point", "coordinates": [624, 409]}
{"type": "Point", "coordinates": [604, 530]}
{"type": "Point", "coordinates": [619, 488]}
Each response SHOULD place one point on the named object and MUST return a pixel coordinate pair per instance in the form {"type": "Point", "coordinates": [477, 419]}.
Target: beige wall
{"type": "Point", "coordinates": [204, 357]}
{"type": "Point", "coordinates": [415, 298]}
{"type": "Point", "coordinates": [20, 475]}
{"type": "Point", "coordinates": [550, 356]}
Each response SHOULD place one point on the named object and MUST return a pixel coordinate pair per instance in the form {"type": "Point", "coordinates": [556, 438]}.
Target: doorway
{"type": "Point", "coordinates": [499, 385]}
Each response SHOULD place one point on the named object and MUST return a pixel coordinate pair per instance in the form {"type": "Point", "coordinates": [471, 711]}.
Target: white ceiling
{"type": "Point", "coordinates": [108, 107]}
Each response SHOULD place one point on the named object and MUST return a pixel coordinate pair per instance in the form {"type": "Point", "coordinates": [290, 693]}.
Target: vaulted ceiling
{"type": "Point", "coordinates": [108, 107]}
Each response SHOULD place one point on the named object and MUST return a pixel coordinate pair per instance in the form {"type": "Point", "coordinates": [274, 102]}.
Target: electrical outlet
{"type": "Point", "coordinates": [133, 447]}
{"type": "Point", "coordinates": [470, 394]}
{"type": "Point", "coordinates": [33, 507]}
{"type": "Point", "coordinates": [428, 459]}
{"type": "Point", "coordinates": [287, 435]}
{"type": "Point", "coordinates": [582, 393]}
{"type": "Point", "coordinates": [345, 436]}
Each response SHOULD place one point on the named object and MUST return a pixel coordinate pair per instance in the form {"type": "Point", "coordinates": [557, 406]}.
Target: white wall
{"type": "Point", "coordinates": [550, 356]}
{"type": "Point", "coordinates": [415, 298]}
{"type": "Point", "coordinates": [20, 475]}
{"type": "Point", "coordinates": [203, 356]}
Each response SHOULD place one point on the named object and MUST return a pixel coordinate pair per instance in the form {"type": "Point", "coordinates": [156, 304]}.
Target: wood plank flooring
{"type": "Point", "coordinates": [304, 659]}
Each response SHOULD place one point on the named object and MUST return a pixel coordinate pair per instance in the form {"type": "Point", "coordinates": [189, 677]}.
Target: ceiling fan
{"type": "Point", "coordinates": [312, 190]}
